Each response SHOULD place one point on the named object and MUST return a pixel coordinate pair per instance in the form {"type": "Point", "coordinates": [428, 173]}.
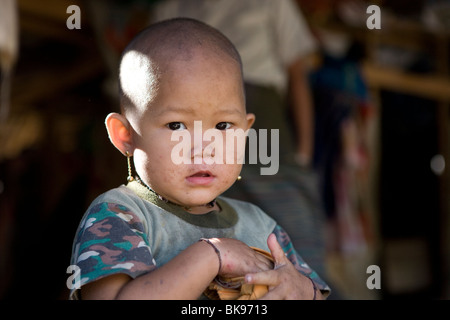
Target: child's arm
{"type": "Point", "coordinates": [184, 277]}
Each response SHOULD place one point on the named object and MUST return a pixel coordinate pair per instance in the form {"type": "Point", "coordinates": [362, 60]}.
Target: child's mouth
{"type": "Point", "coordinates": [201, 178]}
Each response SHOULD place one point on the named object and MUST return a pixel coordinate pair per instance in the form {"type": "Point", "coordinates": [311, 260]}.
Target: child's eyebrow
{"type": "Point", "coordinates": [173, 109]}
{"type": "Point", "coordinates": [192, 111]}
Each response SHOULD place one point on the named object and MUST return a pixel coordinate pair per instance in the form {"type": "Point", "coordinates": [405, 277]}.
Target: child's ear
{"type": "Point", "coordinates": [250, 120]}
{"type": "Point", "coordinates": [119, 132]}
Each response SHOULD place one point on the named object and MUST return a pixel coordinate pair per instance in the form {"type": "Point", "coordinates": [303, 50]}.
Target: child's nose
{"type": "Point", "coordinates": [198, 153]}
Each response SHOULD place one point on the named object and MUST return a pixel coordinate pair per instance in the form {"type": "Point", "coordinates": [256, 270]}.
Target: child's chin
{"type": "Point", "coordinates": [199, 200]}
{"type": "Point", "coordinates": [199, 203]}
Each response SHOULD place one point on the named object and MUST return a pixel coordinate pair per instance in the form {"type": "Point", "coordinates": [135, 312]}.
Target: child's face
{"type": "Point", "coordinates": [206, 89]}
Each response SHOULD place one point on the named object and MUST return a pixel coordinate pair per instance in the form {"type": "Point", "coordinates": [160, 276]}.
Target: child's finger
{"type": "Point", "coordinates": [276, 250]}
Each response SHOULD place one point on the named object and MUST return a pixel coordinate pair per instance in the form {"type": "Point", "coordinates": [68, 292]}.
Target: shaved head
{"type": "Point", "coordinates": [154, 50]}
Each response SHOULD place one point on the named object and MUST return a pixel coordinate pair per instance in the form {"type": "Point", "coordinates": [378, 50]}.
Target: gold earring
{"type": "Point", "coordinates": [239, 178]}
{"type": "Point", "coordinates": [130, 175]}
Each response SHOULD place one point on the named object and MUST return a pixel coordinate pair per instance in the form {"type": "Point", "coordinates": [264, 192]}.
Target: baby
{"type": "Point", "coordinates": [168, 234]}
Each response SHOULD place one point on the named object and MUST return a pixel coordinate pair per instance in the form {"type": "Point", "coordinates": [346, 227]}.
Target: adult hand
{"type": "Point", "coordinates": [284, 281]}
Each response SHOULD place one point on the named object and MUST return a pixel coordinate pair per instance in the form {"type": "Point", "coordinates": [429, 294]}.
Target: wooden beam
{"type": "Point", "coordinates": [430, 86]}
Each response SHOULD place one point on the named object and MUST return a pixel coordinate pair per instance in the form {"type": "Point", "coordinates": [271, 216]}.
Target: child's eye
{"type": "Point", "coordinates": [176, 126]}
{"type": "Point", "coordinates": [223, 125]}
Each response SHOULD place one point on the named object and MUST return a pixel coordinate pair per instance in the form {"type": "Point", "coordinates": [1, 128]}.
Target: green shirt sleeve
{"type": "Point", "coordinates": [110, 240]}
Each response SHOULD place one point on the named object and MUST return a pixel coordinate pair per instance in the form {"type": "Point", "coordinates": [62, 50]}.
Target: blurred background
{"type": "Point", "coordinates": [382, 95]}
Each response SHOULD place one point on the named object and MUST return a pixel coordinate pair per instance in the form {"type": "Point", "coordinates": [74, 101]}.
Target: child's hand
{"type": "Point", "coordinates": [239, 259]}
{"type": "Point", "coordinates": [284, 281]}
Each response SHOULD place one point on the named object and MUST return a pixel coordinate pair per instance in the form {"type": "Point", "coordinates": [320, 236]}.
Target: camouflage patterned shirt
{"type": "Point", "coordinates": [131, 231]}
